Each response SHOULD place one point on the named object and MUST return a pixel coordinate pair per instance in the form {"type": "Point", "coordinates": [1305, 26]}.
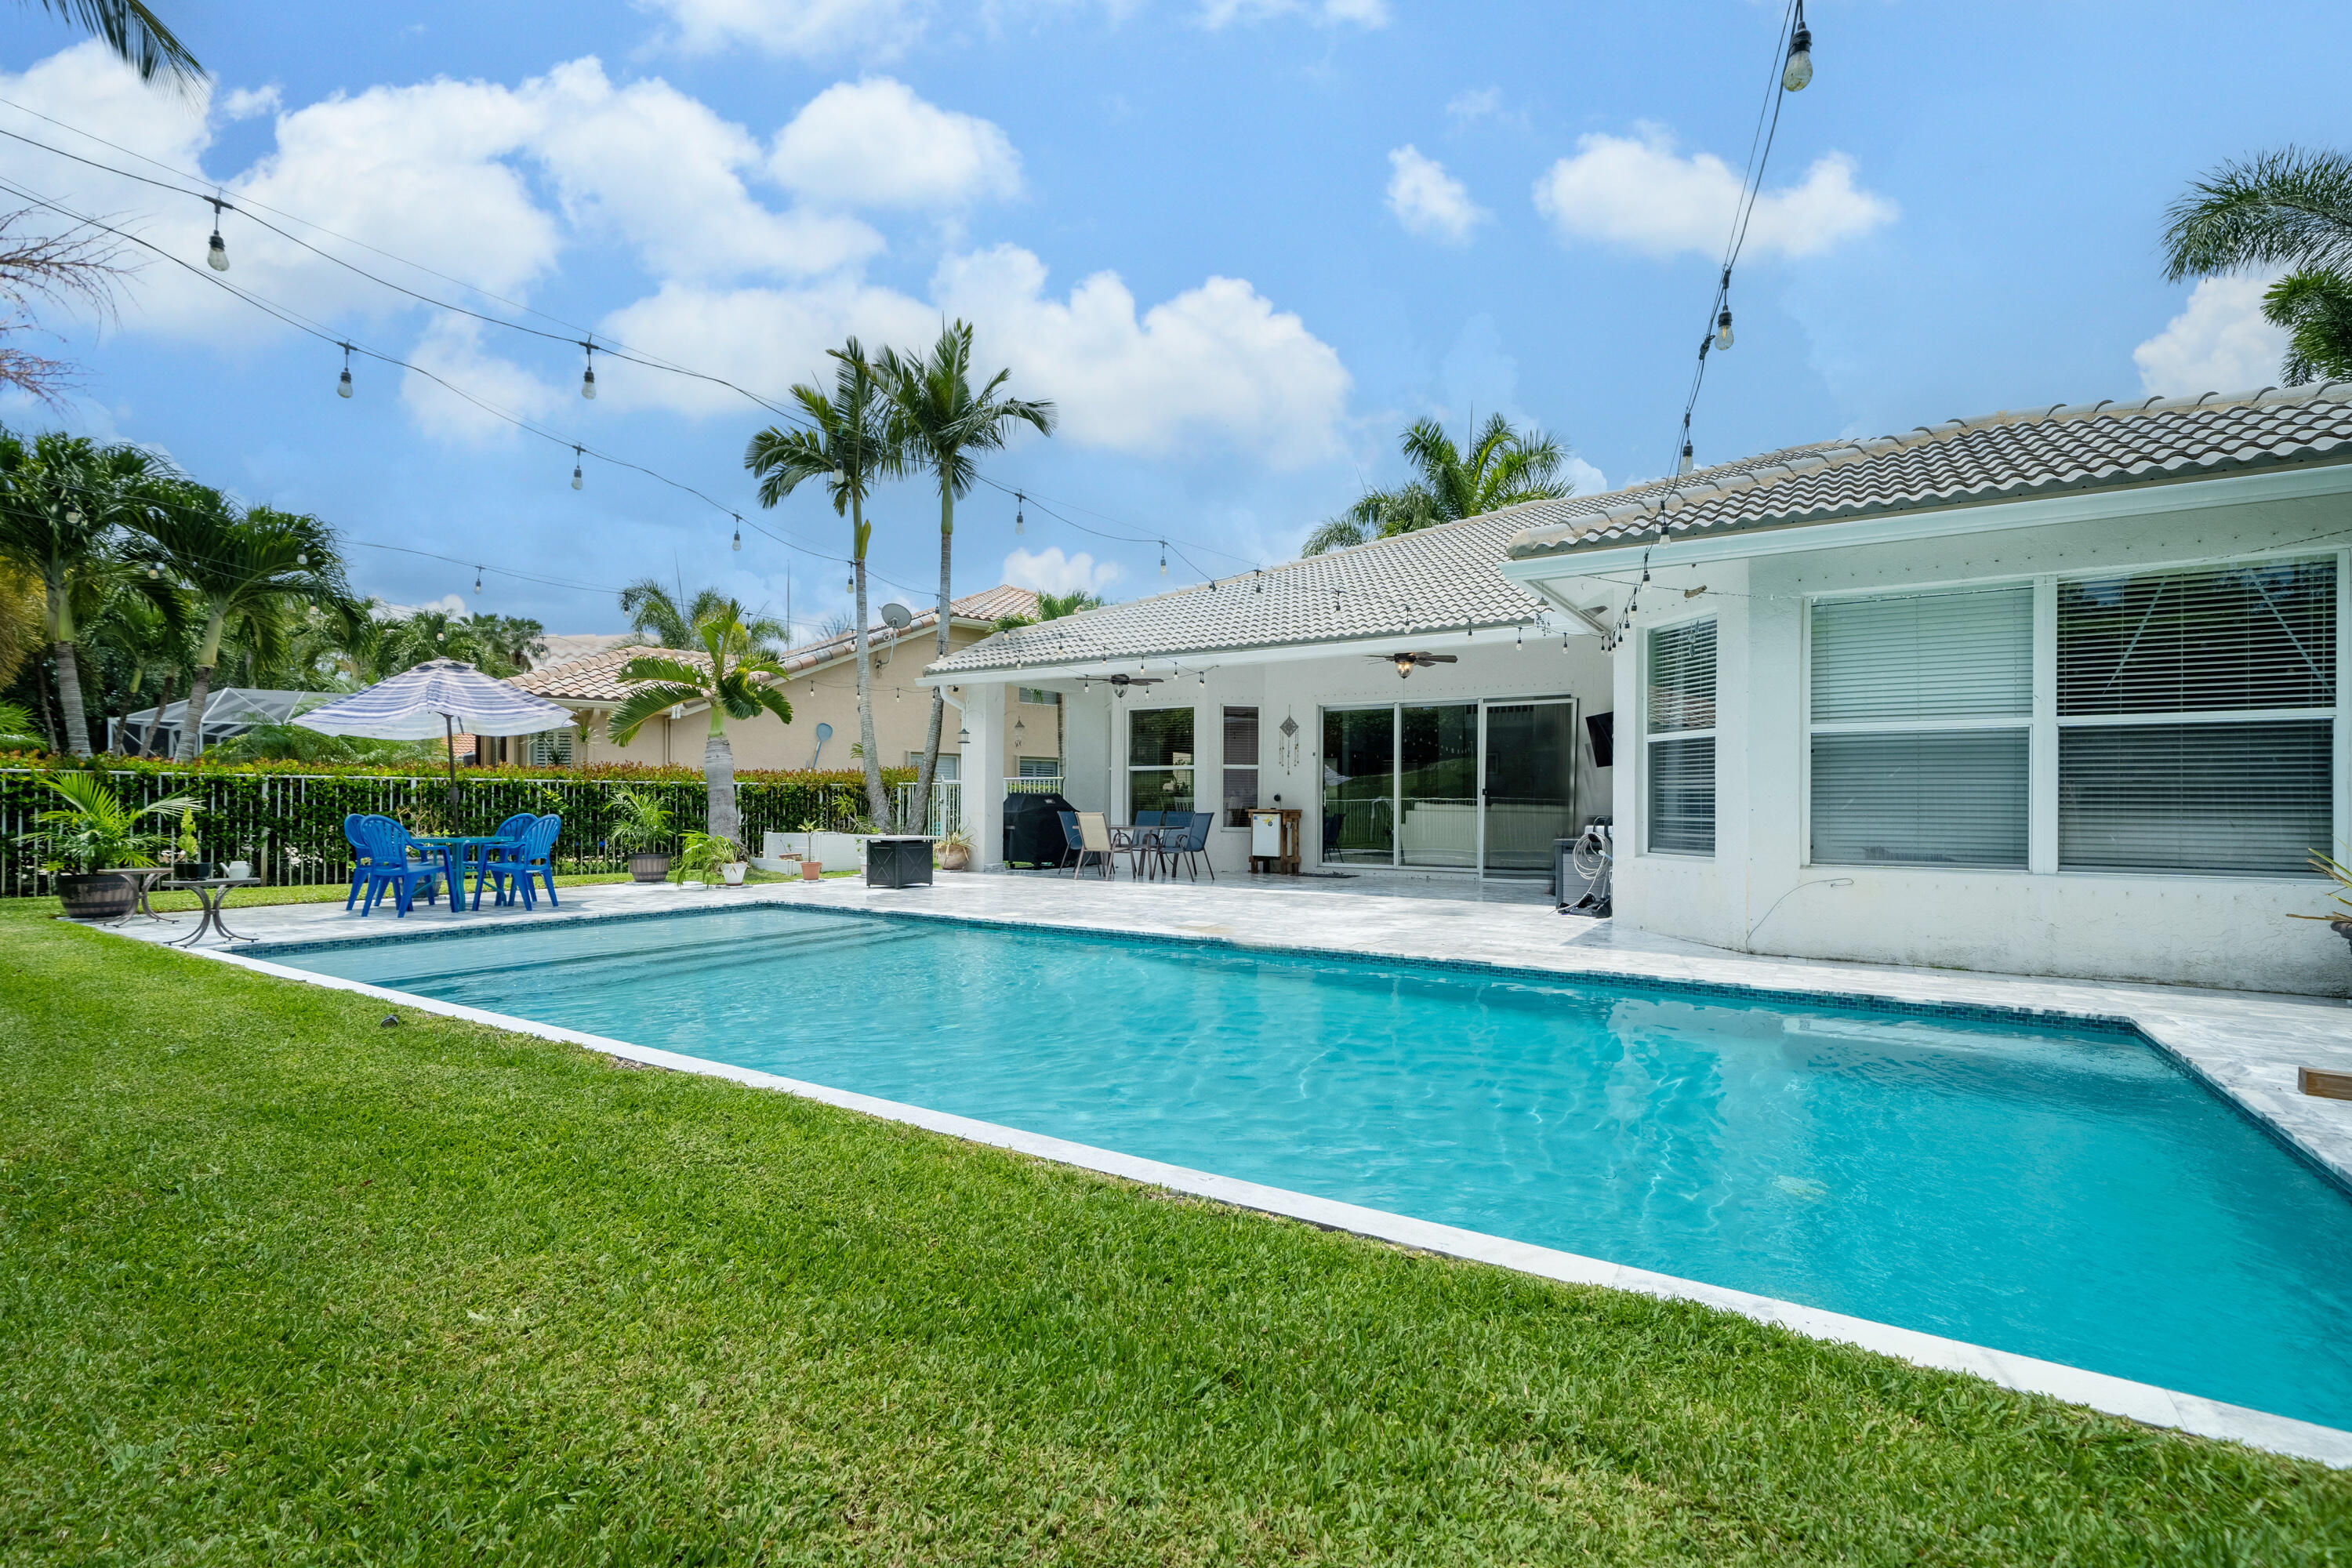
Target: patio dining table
{"type": "Point", "coordinates": [457, 851]}
{"type": "Point", "coordinates": [1139, 839]}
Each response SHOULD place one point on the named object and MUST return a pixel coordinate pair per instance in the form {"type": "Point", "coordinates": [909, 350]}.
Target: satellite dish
{"type": "Point", "coordinates": [897, 617]}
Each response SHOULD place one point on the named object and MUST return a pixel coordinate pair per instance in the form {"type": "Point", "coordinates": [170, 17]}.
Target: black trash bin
{"type": "Point", "coordinates": [1032, 829]}
{"type": "Point", "coordinates": [897, 860]}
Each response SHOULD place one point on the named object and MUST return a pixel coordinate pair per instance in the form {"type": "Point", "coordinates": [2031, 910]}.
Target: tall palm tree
{"type": "Point", "coordinates": [2291, 208]}
{"type": "Point", "coordinates": [731, 684]}
{"type": "Point", "coordinates": [658, 615]}
{"type": "Point", "coordinates": [147, 645]}
{"type": "Point", "coordinates": [64, 501]}
{"type": "Point", "coordinates": [1503, 468]}
{"type": "Point", "coordinates": [943, 422]}
{"type": "Point", "coordinates": [250, 568]}
{"type": "Point", "coordinates": [135, 34]}
{"type": "Point", "coordinates": [850, 444]}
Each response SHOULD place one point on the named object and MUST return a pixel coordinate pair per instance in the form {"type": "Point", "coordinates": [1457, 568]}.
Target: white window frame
{"type": "Point", "coordinates": [1642, 642]}
{"type": "Point", "coordinates": [2041, 837]}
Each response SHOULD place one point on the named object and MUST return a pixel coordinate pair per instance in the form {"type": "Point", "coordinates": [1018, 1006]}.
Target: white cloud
{"type": "Point", "coordinates": [1639, 193]}
{"type": "Point", "coordinates": [452, 349]}
{"type": "Point", "coordinates": [1428, 201]}
{"type": "Point", "coordinates": [803, 29]}
{"type": "Point", "coordinates": [1360, 12]}
{"type": "Point", "coordinates": [1476, 103]}
{"type": "Point", "coordinates": [247, 103]}
{"type": "Point", "coordinates": [1588, 480]}
{"type": "Point", "coordinates": [2220, 342]}
{"type": "Point", "coordinates": [875, 143]}
{"type": "Point", "coordinates": [1048, 570]}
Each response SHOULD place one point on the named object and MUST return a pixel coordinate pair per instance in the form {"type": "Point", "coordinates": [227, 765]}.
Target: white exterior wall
{"type": "Point", "coordinates": [1760, 893]}
{"type": "Point", "coordinates": [1490, 666]}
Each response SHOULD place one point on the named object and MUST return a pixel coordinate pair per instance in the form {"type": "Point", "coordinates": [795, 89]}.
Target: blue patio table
{"type": "Point", "coordinates": [457, 851]}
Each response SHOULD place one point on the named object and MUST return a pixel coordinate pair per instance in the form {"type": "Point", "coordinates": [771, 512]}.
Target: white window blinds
{"type": "Point", "coordinates": [1679, 720]}
{"type": "Point", "coordinates": [2195, 724]}
{"type": "Point", "coordinates": [1921, 748]}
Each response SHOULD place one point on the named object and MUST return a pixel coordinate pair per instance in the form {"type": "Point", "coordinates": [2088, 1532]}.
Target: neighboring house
{"type": "Point", "coordinates": [2054, 693]}
{"type": "Point", "coordinates": [821, 685]}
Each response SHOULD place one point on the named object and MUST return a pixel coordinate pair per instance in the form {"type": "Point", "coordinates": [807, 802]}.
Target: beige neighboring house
{"type": "Point", "coordinates": [821, 684]}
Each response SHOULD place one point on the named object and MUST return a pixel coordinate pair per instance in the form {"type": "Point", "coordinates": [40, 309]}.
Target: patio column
{"type": "Point", "coordinates": [983, 772]}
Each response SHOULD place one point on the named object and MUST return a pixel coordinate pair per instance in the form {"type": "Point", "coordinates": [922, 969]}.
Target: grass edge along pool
{"type": "Point", "coordinates": [2056, 1188]}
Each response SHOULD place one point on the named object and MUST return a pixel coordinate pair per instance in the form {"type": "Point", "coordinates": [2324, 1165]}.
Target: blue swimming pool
{"type": "Point", "coordinates": [2060, 1192]}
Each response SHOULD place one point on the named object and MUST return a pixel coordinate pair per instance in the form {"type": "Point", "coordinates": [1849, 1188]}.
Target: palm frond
{"type": "Point", "coordinates": [647, 702]}
{"type": "Point", "coordinates": [2290, 207]}
{"type": "Point", "coordinates": [676, 672]}
{"type": "Point", "coordinates": [2315, 306]}
{"type": "Point", "coordinates": [136, 35]}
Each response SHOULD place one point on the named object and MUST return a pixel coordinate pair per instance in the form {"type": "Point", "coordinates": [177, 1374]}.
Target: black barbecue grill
{"type": "Point", "coordinates": [1032, 829]}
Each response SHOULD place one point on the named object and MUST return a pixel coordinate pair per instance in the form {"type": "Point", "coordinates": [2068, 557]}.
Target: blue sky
{"type": "Point", "coordinates": [1241, 243]}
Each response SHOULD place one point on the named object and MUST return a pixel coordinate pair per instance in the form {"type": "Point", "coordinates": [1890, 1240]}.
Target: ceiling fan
{"type": "Point", "coordinates": [1406, 662]}
{"type": "Point", "coordinates": [1120, 683]}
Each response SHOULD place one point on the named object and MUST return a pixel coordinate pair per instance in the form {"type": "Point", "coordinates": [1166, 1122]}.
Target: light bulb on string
{"type": "Point", "coordinates": [588, 376]}
{"type": "Point", "coordinates": [343, 384]}
{"type": "Point", "coordinates": [1723, 329]}
{"type": "Point", "coordinates": [738, 544]}
{"type": "Point", "coordinates": [1020, 514]}
{"type": "Point", "coordinates": [1800, 70]}
{"type": "Point", "coordinates": [477, 579]}
{"type": "Point", "coordinates": [1163, 558]}
{"type": "Point", "coordinates": [154, 571]}
{"type": "Point", "coordinates": [576, 481]}
{"type": "Point", "coordinates": [217, 249]}
{"type": "Point", "coordinates": [1683, 466]}
{"type": "Point", "coordinates": [301, 558]}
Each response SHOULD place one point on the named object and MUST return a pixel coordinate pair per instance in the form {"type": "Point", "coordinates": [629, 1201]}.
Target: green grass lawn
{"type": "Point", "coordinates": [280, 1285]}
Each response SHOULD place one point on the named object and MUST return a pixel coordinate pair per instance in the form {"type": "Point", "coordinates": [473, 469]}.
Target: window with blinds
{"type": "Point", "coordinates": [2196, 718]}
{"type": "Point", "coordinates": [1240, 765]}
{"type": "Point", "coordinates": [1921, 709]}
{"type": "Point", "coordinates": [1678, 716]}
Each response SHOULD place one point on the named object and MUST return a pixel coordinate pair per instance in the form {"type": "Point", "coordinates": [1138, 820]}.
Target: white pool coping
{"type": "Point", "coordinates": [2113, 1396]}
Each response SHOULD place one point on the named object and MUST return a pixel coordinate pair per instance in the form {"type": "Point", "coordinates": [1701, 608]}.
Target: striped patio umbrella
{"type": "Point", "coordinates": [445, 691]}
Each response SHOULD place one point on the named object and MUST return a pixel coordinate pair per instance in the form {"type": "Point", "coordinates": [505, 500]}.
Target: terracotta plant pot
{"type": "Point", "coordinates": [810, 870]}
{"type": "Point", "coordinates": [954, 859]}
{"type": "Point", "coordinates": [649, 867]}
{"type": "Point", "coordinates": [88, 897]}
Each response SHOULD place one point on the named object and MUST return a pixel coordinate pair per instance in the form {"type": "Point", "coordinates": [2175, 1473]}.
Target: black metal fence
{"type": "Point", "coordinates": [290, 825]}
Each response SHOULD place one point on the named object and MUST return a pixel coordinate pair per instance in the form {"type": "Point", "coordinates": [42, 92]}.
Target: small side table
{"type": "Point", "coordinates": [144, 879]}
{"type": "Point", "coordinates": [211, 893]}
{"type": "Point", "coordinates": [1274, 840]}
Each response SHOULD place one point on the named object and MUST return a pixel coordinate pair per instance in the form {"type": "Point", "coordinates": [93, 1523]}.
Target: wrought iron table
{"type": "Point", "coordinates": [211, 893]}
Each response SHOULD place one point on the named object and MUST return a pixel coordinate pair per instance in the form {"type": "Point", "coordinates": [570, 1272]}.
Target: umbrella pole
{"type": "Point", "coordinates": [449, 733]}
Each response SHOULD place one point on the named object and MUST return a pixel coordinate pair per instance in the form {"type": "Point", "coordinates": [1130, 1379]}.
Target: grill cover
{"type": "Point", "coordinates": [1032, 829]}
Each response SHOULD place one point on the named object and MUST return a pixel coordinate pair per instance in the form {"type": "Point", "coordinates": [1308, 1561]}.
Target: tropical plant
{"type": "Point", "coordinates": [2287, 209]}
{"type": "Point", "coordinates": [657, 617]}
{"type": "Point", "coordinates": [700, 855]}
{"type": "Point", "coordinates": [942, 422]}
{"type": "Point", "coordinates": [850, 443]}
{"type": "Point", "coordinates": [145, 645]}
{"type": "Point", "coordinates": [252, 568]}
{"type": "Point", "coordinates": [2339, 877]}
{"type": "Point", "coordinates": [17, 730]}
{"type": "Point", "coordinates": [730, 684]}
{"type": "Point", "coordinates": [136, 35]}
{"type": "Point", "coordinates": [295, 743]}
{"type": "Point", "coordinates": [640, 823]}
{"type": "Point", "coordinates": [1503, 468]}
{"type": "Point", "coordinates": [94, 829]}
{"type": "Point", "coordinates": [63, 502]}
{"type": "Point", "coordinates": [1054, 606]}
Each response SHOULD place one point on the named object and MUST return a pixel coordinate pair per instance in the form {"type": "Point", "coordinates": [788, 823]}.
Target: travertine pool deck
{"type": "Point", "coordinates": [2246, 1045]}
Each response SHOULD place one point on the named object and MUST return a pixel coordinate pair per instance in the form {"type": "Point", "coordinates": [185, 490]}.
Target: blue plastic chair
{"type": "Point", "coordinates": [1149, 818]}
{"type": "Point", "coordinates": [1074, 842]}
{"type": "Point", "coordinates": [510, 833]}
{"type": "Point", "coordinates": [1194, 847]}
{"type": "Point", "coordinates": [383, 845]}
{"type": "Point", "coordinates": [532, 856]}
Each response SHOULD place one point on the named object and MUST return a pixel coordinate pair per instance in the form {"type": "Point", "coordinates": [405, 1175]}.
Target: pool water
{"type": "Point", "coordinates": [2059, 1192]}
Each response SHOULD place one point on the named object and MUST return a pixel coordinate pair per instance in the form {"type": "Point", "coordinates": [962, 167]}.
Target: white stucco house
{"type": "Point", "coordinates": [2050, 692]}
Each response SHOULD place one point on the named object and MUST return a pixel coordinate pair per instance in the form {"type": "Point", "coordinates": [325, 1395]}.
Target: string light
{"type": "Point", "coordinates": [1800, 70]}
{"type": "Point", "coordinates": [1020, 514]}
{"type": "Point", "coordinates": [343, 384]}
{"type": "Point", "coordinates": [576, 481]}
{"type": "Point", "coordinates": [738, 545]}
{"type": "Point", "coordinates": [588, 376]}
{"type": "Point", "coordinates": [217, 252]}
{"type": "Point", "coordinates": [1723, 329]}
{"type": "Point", "coordinates": [477, 579]}
{"type": "Point", "coordinates": [1163, 558]}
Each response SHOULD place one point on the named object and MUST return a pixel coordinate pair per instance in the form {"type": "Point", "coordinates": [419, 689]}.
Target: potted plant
{"type": "Point", "coordinates": [2339, 919]}
{"type": "Point", "coordinates": [191, 866]}
{"type": "Point", "coordinates": [703, 858]}
{"type": "Point", "coordinates": [639, 832]}
{"type": "Point", "coordinates": [92, 832]}
{"type": "Point", "coordinates": [954, 850]}
{"type": "Point", "coordinates": [812, 868]}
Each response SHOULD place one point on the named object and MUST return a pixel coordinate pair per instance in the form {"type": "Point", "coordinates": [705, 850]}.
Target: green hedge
{"type": "Point", "coordinates": [289, 819]}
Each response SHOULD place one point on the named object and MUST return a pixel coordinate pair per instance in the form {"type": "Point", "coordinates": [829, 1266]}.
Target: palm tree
{"type": "Point", "coordinates": [2292, 209]}
{"type": "Point", "coordinates": [849, 444]}
{"type": "Point", "coordinates": [657, 617]}
{"type": "Point", "coordinates": [144, 642]}
{"type": "Point", "coordinates": [731, 684]}
{"type": "Point", "coordinates": [63, 502]}
{"type": "Point", "coordinates": [247, 568]}
{"type": "Point", "coordinates": [943, 423]}
{"type": "Point", "coordinates": [1503, 468]}
{"type": "Point", "coordinates": [135, 34]}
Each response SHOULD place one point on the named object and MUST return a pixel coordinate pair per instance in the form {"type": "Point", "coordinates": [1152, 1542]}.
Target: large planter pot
{"type": "Point", "coordinates": [812, 870]}
{"type": "Point", "coordinates": [649, 867]}
{"type": "Point", "coordinates": [98, 897]}
{"type": "Point", "coordinates": [733, 871]}
{"type": "Point", "coordinates": [897, 860]}
{"type": "Point", "coordinates": [954, 857]}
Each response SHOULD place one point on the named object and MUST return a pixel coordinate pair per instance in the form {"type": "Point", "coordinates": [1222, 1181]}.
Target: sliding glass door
{"type": "Point", "coordinates": [1530, 794]}
{"type": "Point", "coordinates": [1467, 786]}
